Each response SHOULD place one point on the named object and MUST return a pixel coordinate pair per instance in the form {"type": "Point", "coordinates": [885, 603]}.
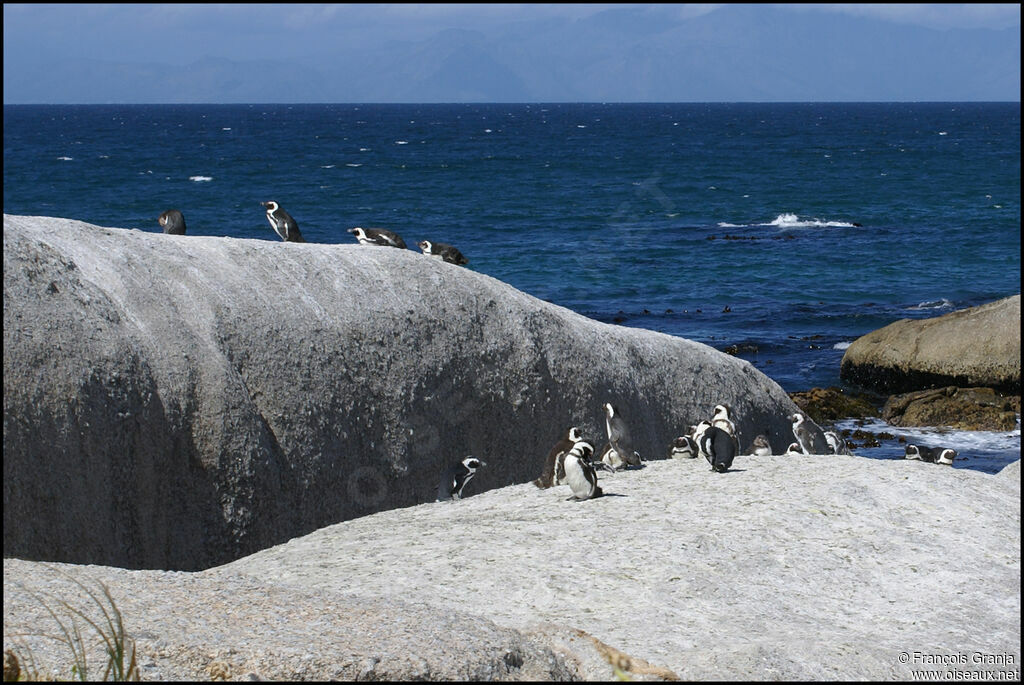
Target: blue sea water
{"type": "Point", "coordinates": [784, 231]}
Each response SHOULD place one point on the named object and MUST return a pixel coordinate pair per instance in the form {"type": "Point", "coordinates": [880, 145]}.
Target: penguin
{"type": "Point", "coordinates": [721, 418]}
{"type": "Point", "coordinates": [809, 435]}
{"type": "Point", "coordinates": [683, 447]}
{"type": "Point", "coordinates": [618, 439]}
{"type": "Point", "coordinates": [918, 453]}
{"type": "Point", "coordinates": [554, 470]}
{"type": "Point", "coordinates": [932, 455]}
{"type": "Point", "coordinates": [378, 236]}
{"type": "Point", "coordinates": [173, 222]}
{"type": "Point", "coordinates": [719, 448]}
{"type": "Point", "coordinates": [455, 477]}
{"type": "Point", "coordinates": [836, 444]}
{"type": "Point", "coordinates": [580, 473]}
{"type": "Point", "coordinates": [760, 447]}
{"type": "Point", "coordinates": [443, 251]}
{"type": "Point", "coordinates": [282, 223]}
{"type": "Point", "coordinates": [697, 434]}
{"type": "Point", "coordinates": [794, 448]}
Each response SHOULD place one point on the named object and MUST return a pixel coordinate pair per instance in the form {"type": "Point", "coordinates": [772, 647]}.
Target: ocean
{"type": "Point", "coordinates": [777, 232]}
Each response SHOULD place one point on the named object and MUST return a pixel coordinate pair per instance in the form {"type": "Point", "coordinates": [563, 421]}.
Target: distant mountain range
{"type": "Point", "coordinates": [736, 53]}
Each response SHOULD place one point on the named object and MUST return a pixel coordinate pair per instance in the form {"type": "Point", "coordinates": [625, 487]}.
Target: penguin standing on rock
{"type": "Point", "coordinates": [580, 474]}
{"type": "Point", "coordinates": [443, 251]}
{"type": "Point", "coordinates": [173, 222]}
{"type": "Point", "coordinates": [554, 468]}
{"type": "Point", "coordinates": [377, 236]}
{"type": "Point", "coordinates": [719, 448]}
{"type": "Point", "coordinates": [283, 223]}
{"type": "Point", "coordinates": [809, 435]}
{"type": "Point", "coordinates": [618, 452]}
{"type": "Point", "coordinates": [455, 477]}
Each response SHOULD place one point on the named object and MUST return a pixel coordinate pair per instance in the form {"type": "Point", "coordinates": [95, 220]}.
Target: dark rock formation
{"type": "Point", "coordinates": [976, 347]}
{"type": "Point", "coordinates": [178, 403]}
{"type": "Point", "coordinates": [825, 405]}
{"type": "Point", "coordinates": [961, 408]}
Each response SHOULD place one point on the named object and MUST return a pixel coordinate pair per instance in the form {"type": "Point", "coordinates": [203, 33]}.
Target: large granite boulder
{"type": "Point", "coordinates": [979, 347]}
{"type": "Point", "coordinates": [181, 401]}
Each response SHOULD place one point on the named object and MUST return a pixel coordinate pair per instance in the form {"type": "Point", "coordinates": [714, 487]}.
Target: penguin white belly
{"type": "Point", "coordinates": [582, 486]}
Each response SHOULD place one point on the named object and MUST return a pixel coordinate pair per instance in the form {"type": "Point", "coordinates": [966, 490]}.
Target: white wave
{"type": "Point", "coordinates": [943, 133]}
{"type": "Point", "coordinates": [364, 149]}
{"type": "Point", "coordinates": [354, 165]}
{"type": "Point", "coordinates": [580, 126]}
{"type": "Point", "coordinates": [934, 304]}
{"type": "Point", "coordinates": [327, 166]}
{"type": "Point", "coordinates": [788, 220]}
{"type": "Point", "coordinates": [401, 142]}
{"type": "Point", "coordinates": [487, 130]}
{"type": "Point", "coordinates": [226, 128]}
{"type": "Point", "coordinates": [65, 159]}
{"type": "Point", "coordinates": [841, 345]}
{"type": "Point", "coordinates": [200, 179]}
{"type": "Point", "coordinates": [726, 224]}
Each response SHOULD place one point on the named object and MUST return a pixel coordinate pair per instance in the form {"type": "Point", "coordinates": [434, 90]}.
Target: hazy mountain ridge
{"type": "Point", "coordinates": [736, 53]}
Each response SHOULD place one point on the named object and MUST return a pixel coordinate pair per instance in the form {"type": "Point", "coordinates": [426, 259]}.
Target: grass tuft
{"type": "Point", "coordinates": [70, 622]}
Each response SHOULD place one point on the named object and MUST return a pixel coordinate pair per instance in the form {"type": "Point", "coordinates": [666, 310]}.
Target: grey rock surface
{"type": "Point", "coordinates": [808, 567]}
{"type": "Point", "coordinates": [785, 568]}
{"type": "Point", "coordinates": [180, 401]}
{"type": "Point", "coordinates": [979, 346]}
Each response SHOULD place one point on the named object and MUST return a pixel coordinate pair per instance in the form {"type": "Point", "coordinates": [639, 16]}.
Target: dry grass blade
{"type": "Point", "coordinates": [119, 647]}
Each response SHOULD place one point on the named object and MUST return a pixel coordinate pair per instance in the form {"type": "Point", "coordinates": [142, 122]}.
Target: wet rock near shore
{"type": "Point", "coordinates": [825, 405]}
{"type": "Point", "coordinates": [969, 409]}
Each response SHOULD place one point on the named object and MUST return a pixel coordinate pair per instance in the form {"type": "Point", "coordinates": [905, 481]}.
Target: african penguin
{"type": "Point", "coordinates": [173, 222]}
{"type": "Point", "coordinates": [683, 447]}
{"type": "Point", "coordinates": [936, 455]}
{"type": "Point", "coordinates": [697, 433]}
{"type": "Point", "coordinates": [794, 448]}
{"type": "Point", "coordinates": [378, 236]}
{"type": "Point", "coordinates": [760, 447]}
{"type": "Point", "coordinates": [809, 435]}
{"type": "Point", "coordinates": [618, 438]}
{"type": "Point", "coordinates": [580, 473]}
{"type": "Point", "coordinates": [455, 477]}
{"type": "Point", "coordinates": [836, 444]}
{"type": "Point", "coordinates": [554, 471]}
{"type": "Point", "coordinates": [721, 418]}
{"type": "Point", "coordinates": [443, 251]}
{"type": "Point", "coordinates": [719, 448]}
{"type": "Point", "coordinates": [282, 223]}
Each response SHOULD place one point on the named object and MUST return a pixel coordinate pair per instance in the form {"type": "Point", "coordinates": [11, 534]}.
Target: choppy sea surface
{"type": "Point", "coordinates": [778, 232]}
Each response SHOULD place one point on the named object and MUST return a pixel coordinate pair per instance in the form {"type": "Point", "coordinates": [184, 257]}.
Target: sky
{"type": "Point", "coordinates": [507, 52]}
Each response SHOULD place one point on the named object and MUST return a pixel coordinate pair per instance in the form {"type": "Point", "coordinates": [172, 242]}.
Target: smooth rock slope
{"type": "Point", "coordinates": [979, 346]}
{"type": "Point", "coordinates": [177, 402]}
{"type": "Point", "coordinates": [785, 568]}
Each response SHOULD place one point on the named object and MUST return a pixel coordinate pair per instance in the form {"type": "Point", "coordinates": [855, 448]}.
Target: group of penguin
{"type": "Point", "coordinates": [571, 461]}
{"type": "Point", "coordinates": [173, 222]}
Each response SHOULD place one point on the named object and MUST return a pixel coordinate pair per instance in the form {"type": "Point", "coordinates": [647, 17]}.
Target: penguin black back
{"type": "Point", "coordinates": [283, 223]}
{"type": "Point", "coordinates": [173, 222]}
{"type": "Point", "coordinates": [719, 448]}
{"type": "Point", "coordinates": [455, 477]}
